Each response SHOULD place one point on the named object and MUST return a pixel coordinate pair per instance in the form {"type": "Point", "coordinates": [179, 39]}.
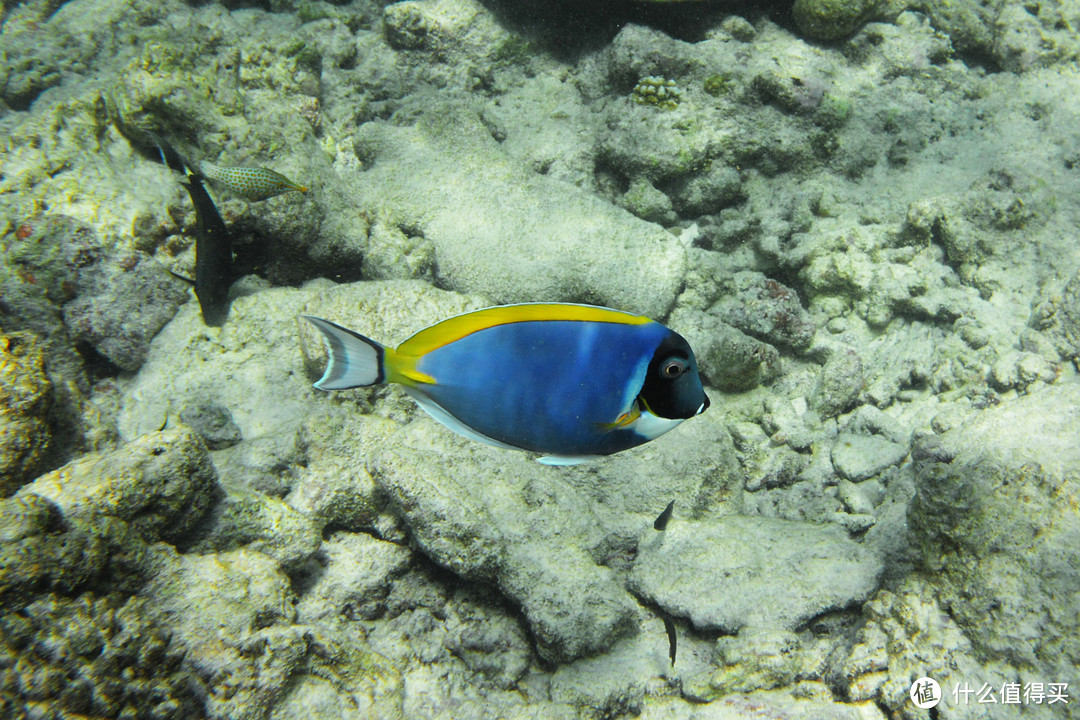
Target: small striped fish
{"type": "Point", "coordinates": [253, 183]}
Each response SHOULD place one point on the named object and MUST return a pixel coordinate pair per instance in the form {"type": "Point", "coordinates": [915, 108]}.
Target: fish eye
{"type": "Point", "coordinates": [672, 368]}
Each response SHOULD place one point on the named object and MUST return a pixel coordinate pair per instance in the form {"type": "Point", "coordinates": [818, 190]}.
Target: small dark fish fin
{"type": "Point", "coordinates": [625, 420]}
{"type": "Point", "coordinates": [112, 111]}
{"type": "Point", "coordinates": [672, 636]}
{"type": "Point", "coordinates": [662, 520]}
{"type": "Point", "coordinates": [178, 276]}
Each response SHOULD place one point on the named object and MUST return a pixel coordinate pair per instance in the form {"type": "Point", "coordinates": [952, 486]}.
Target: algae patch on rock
{"type": "Point", "coordinates": [831, 19]}
{"type": "Point", "coordinates": [161, 483]}
{"type": "Point", "coordinates": [25, 397]}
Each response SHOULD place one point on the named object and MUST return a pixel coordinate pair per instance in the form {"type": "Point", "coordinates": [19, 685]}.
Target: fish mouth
{"type": "Point", "coordinates": [704, 406]}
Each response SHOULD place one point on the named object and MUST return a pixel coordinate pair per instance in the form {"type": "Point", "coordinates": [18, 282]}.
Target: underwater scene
{"type": "Point", "coordinates": [540, 359]}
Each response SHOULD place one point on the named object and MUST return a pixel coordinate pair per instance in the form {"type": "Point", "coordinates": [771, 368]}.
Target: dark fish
{"type": "Point", "coordinates": [673, 638]}
{"type": "Point", "coordinates": [213, 255]}
{"type": "Point", "coordinates": [661, 522]}
{"type": "Point", "coordinates": [214, 271]}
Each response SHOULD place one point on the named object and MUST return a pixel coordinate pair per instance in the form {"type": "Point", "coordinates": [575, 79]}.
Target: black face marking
{"type": "Point", "coordinates": [672, 386]}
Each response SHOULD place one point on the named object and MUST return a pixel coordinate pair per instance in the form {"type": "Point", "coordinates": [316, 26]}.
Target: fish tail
{"type": "Point", "coordinates": [355, 361]}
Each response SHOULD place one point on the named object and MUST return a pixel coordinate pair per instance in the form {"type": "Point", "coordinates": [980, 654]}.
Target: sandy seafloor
{"type": "Point", "coordinates": [863, 217]}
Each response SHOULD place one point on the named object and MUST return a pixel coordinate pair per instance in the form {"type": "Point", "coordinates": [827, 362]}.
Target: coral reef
{"type": "Point", "coordinates": [508, 245]}
{"type": "Point", "coordinates": [658, 91]}
{"type": "Point", "coordinates": [213, 424]}
{"type": "Point", "coordinates": [908, 634]}
{"type": "Point", "coordinates": [161, 484]}
{"type": "Point", "coordinates": [43, 552]}
{"type": "Point", "coordinates": [25, 397]}
{"type": "Point", "coordinates": [832, 20]}
{"type": "Point", "coordinates": [1011, 36]}
{"type": "Point", "coordinates": [1057, 318]}
{"type": "Point", "coordinates": [93, 657]}
{"type": "Point", "coordinates": [113, 301]}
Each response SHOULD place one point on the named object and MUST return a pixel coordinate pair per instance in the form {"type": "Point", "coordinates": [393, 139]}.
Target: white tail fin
{"type": "Point", "coordinates": [355, 361]}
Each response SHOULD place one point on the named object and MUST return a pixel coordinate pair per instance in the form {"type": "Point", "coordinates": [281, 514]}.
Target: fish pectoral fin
{"type": "Point", "coordinates": [186, 279]}
{"type": "Point", "coordinates": [625, 420]}
{"type": "Point", "coordinates": [608, 427]}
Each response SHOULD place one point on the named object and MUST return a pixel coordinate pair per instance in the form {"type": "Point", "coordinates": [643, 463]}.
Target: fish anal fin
{"type": "Point", "coordinates": [565, 459]}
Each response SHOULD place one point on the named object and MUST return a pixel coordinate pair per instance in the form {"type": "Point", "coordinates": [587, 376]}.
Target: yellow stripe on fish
{"type": "Point", "coordinates": [253, 183]}
{"type": "Point", "coordinates": [403, 371]}
{"type": "Point", "coordinates": [458, 327]}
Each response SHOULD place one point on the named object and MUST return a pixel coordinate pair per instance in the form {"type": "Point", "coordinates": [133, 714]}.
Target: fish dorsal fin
{"type": "Point", "coordinates": [448, 331]}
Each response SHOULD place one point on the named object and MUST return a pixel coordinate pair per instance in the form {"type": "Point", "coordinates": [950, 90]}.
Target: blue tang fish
{"type": "Point", "coordinates": [571, 382]}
